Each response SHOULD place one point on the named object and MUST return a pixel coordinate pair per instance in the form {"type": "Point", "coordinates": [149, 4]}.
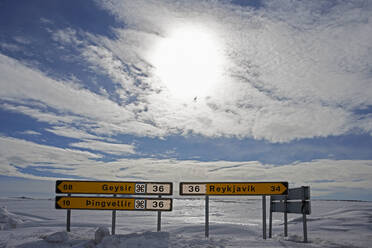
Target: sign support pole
{"type": "Point", "coordinates": [113, 221]}
{"type": "Point", "coordinates": [159, 219]}
{"type": "Point", "coordinates": [285, 217]}
{"type": "Point", "coordinates": [305, 227]}
{"type": "Point", "coordinates": [304, 221]}
{"type": "Point", "coordinates": [264, 217]}
{"type": "Point", "coordinates": [271, 218]}
{"type": "Point", "coordinates": [68, 221]}
{"type": "Point", "coordinates": [206, 216]}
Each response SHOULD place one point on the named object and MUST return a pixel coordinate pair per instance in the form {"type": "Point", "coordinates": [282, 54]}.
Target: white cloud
{"type": "Point", "coordinates": [293, 72]}
{"type": "Point", "coordinates": [31, 132]}
{"type": "Point", "coordinates": [22, 40]}
{"type": "Point", "coordinates": [21, 153]}
{"type": "Point", "coordinates": [72, 132]}
{"type": "Point", "coordinates": [324, 176]}
{"type": "Point", "coordinates": [111, 148]}
{"type": "Point", "coordinates": [66, 36]}
{"type": "Point", "coordinates": [26, 86]}
{"type": "Point", "coordinates": [10, 47]}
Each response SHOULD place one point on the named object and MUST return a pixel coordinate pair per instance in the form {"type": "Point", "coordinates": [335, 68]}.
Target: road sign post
{"type": "Point", "coordinates": [113, 221]}
{"type": "Point", "coordinates": [233, 189]}
{"type": "Point", "coordinates": [68, 219]}
{"type": "Point", "coordinates": [113, 203]}
{"type": "Point", "coordinates": [297, 201]}
{"type": "Point", "coordinates": [285, 217]}
{"type": "Point", "coordinates": [270, 220]}
{"type": "Point", "coordinates": [159, 219]}
{"type": "Point", "coordinates": [264, 217]}
{"type": "Point", "coordinates": [206, 216]}
{"type": "Point", "coordinates": [305, 191]}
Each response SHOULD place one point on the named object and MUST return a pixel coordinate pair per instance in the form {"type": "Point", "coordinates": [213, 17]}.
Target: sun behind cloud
{"type": "Point", "coordinates": [188, 61]}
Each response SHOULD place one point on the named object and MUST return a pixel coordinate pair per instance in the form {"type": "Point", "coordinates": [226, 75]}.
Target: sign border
{"type": "Point", "coordinates": [181, 192]}
{"type": "Point", "coordinates": [58, 182]}
{"type": "Point", "coordinates": [57, 198]}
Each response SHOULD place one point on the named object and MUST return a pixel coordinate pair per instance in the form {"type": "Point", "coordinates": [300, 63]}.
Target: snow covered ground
{"type": "Point", "coordinates": [32, 223]}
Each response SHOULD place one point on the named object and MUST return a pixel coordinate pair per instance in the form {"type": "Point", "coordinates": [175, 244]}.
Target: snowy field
{"type": "Point", "coordinates": [233, 223]}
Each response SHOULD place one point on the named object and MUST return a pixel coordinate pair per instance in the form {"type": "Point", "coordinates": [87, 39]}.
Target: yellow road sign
{"type": "Point", "coordinates": [114, 203]}
{"type": "Point", "coordinates": [234, 188]}
{"type": "Point", "coordinates": [114, 187]}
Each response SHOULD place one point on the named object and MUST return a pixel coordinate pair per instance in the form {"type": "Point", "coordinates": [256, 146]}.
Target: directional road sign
{"type": "Point", "coordinates": [234, 188]}
{"type": "Point", "coordinates": [114, 203]}
{"type": "Point", "coordinates": [114, 187]}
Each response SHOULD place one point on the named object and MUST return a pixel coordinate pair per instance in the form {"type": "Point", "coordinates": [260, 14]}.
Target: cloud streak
{"type": "Point", "coordinates": [324, 176]}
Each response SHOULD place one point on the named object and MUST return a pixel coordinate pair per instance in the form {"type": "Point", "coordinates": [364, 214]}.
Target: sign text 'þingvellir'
{"type": "Point", "coordinates": [114, 203]}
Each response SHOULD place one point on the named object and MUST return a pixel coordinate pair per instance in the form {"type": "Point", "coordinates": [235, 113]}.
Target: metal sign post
{"type": "Point", "coordinates": [285, 217]}
{"type": "Point", "coordinates": [304, 221]}
{"type": "Point", "coordinates": [270, 218]}
{"type": "Point", "coordinates": [113, 221]}
{"type": "Point", "coordinates": [264, 217]}
{"type": "Point", "coordinates": [207, 216]}
{"type": "Point", "coordinates": [159, 219]}
{"type": "Point", "coordinates": [68, 220]}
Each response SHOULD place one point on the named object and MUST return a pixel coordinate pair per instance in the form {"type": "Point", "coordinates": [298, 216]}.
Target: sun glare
{"type": "Point", "coordinates": [188, 62]}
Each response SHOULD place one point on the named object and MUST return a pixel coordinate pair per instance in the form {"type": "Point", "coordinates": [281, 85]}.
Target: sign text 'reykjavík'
{"type": "Point", "coordinates": [234, 188]}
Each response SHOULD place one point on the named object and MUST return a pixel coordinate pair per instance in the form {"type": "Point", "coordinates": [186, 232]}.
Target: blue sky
{"type": "Point", "coordinates": [187, 90]}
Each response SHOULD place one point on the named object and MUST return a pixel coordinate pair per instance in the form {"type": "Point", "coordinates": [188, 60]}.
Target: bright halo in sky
{"type": "Point", "coordinates": [189, 62]}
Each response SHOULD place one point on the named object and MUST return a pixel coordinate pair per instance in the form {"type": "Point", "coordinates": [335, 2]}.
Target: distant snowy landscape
{"type": "Point", "coordinates": [234, 222]}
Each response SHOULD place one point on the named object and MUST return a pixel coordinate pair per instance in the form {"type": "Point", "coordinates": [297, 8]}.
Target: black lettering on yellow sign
{"type": "Point", "coordinates": [247, 188]}
{"type": "Point", "coordinates": [275, 188]}
{"type": "Point", "coordinates": [117, 188]}
{"type": "Point", "coordinates": [232, 189]}
{"type": "Point", "coordinates": [104, 204]}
